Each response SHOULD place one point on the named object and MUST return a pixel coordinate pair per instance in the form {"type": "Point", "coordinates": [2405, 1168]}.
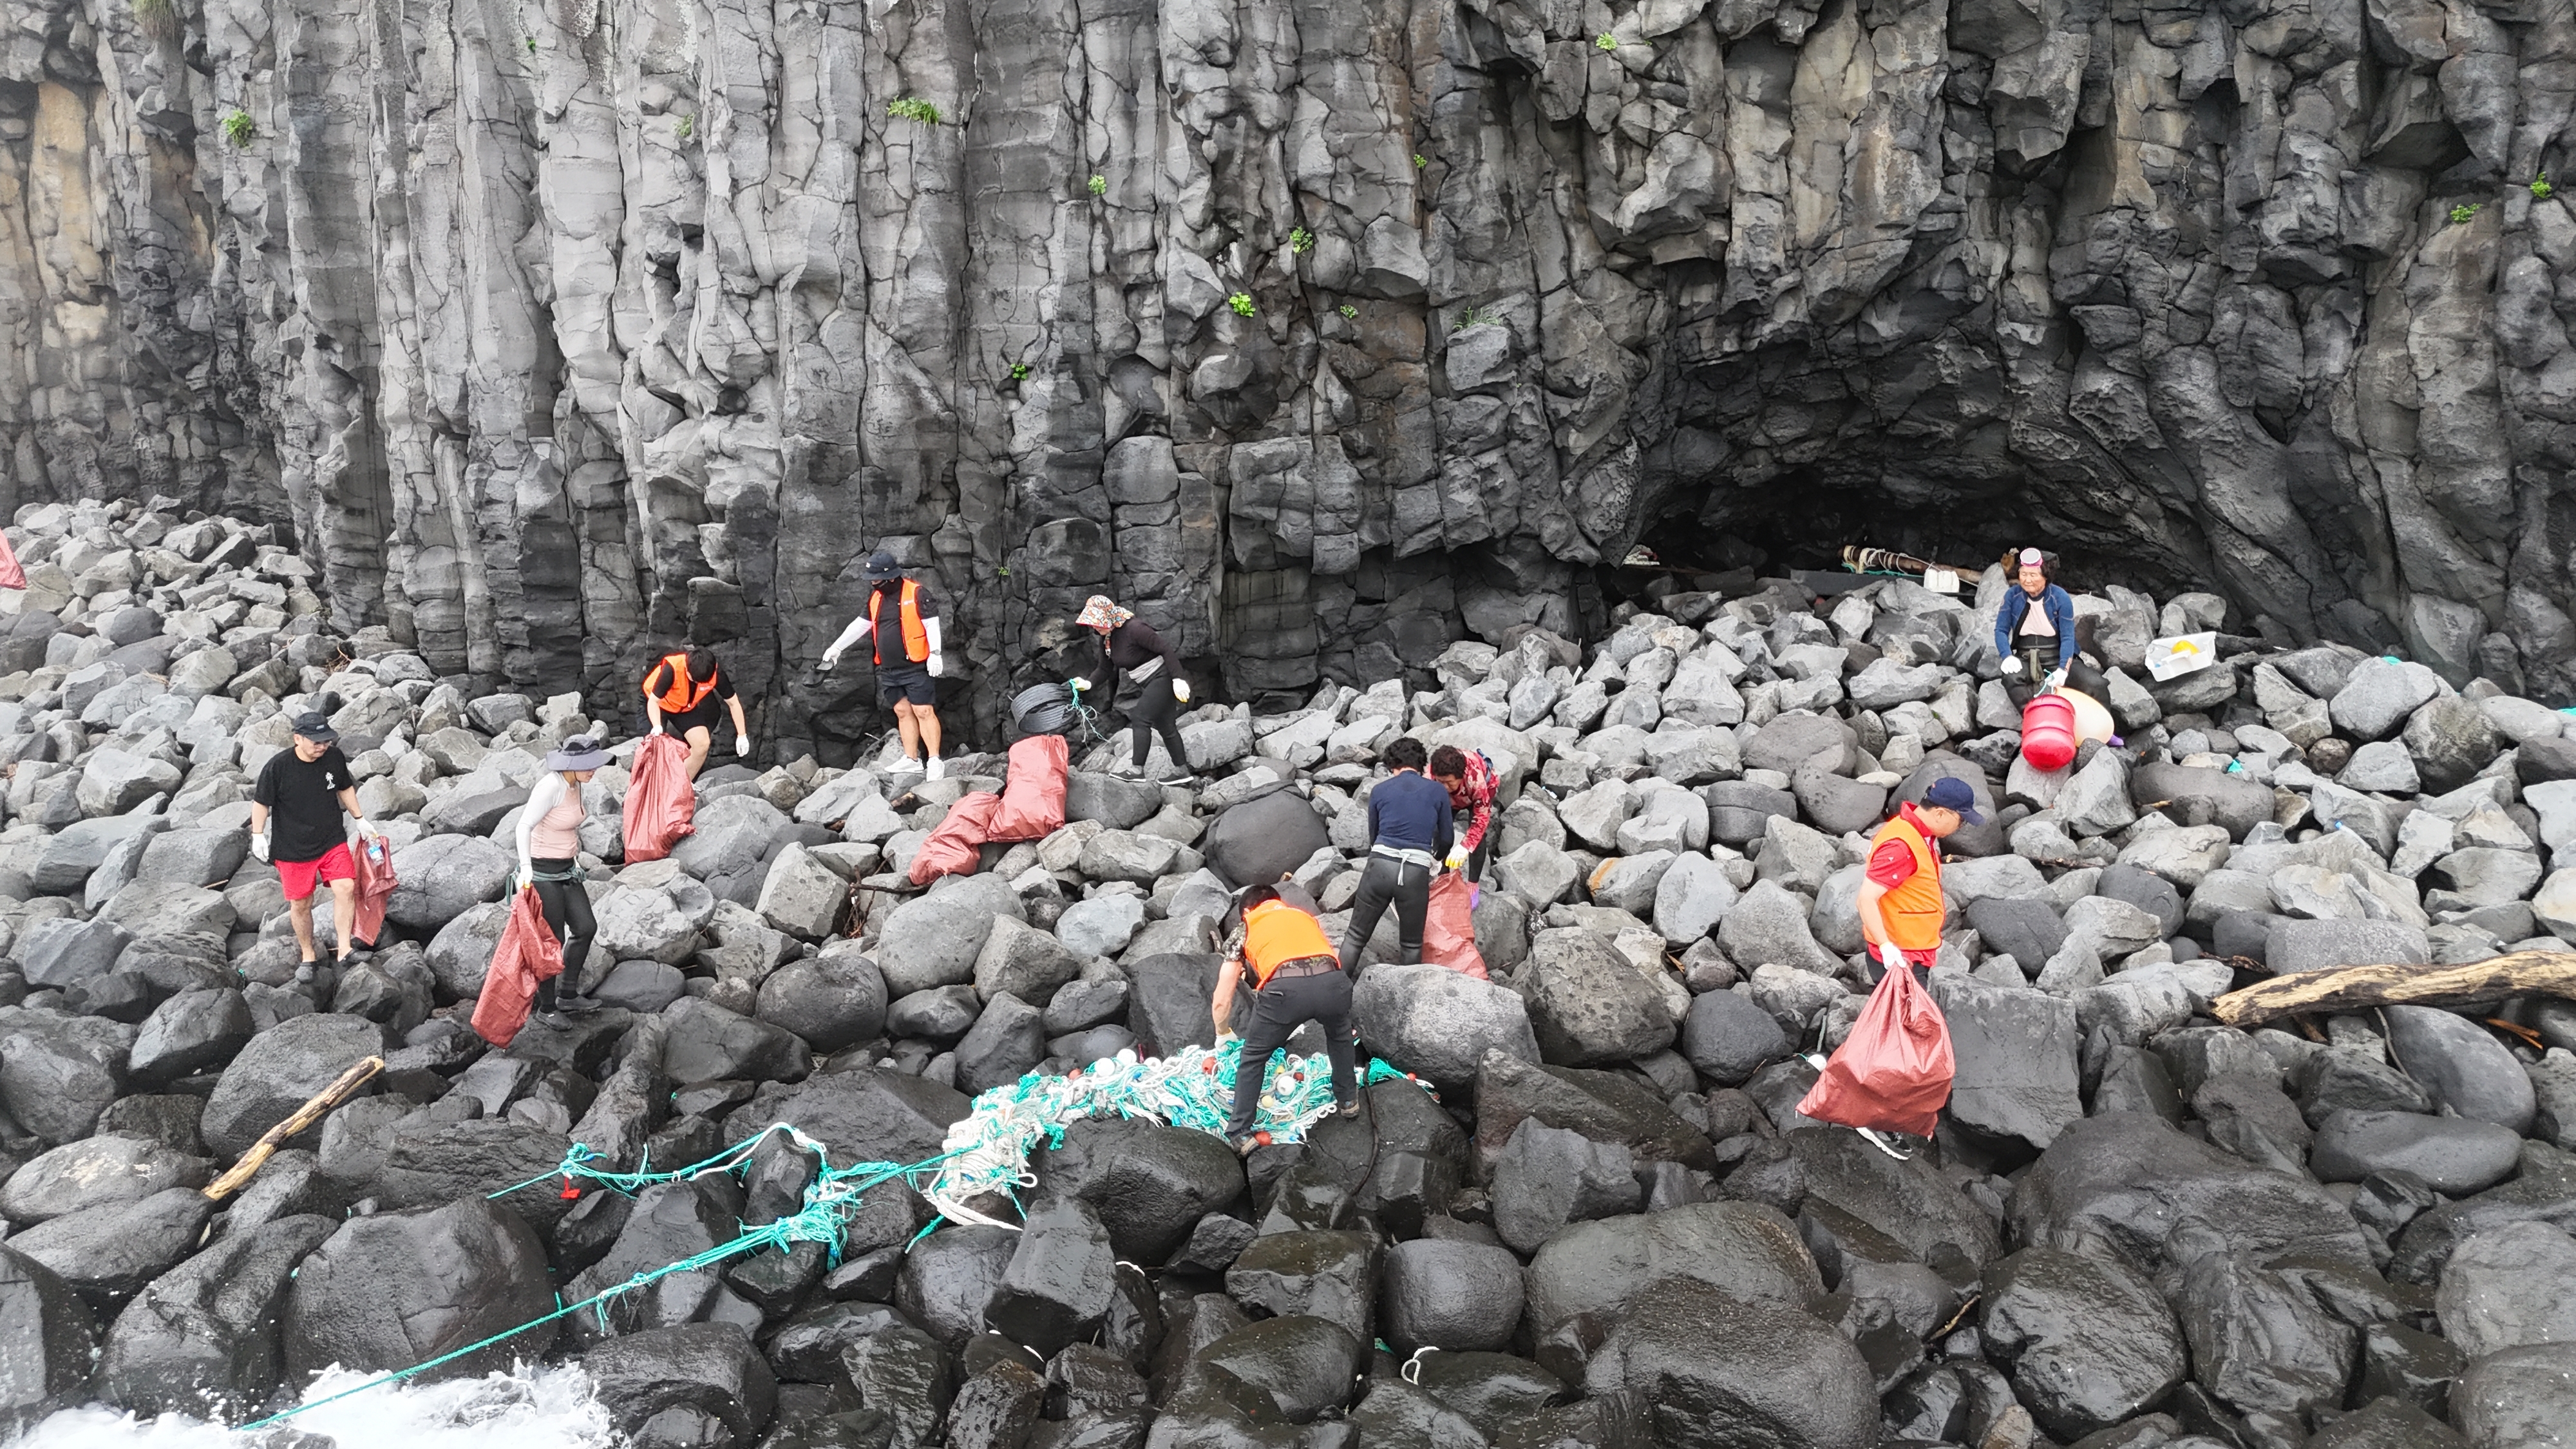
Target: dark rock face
{"type": "Point", "coordinates": [694, 1384]}
{"type": "Point", "coordinates": [2087, 1342]}
{"type": "Point", "coordinates": [397, 1289]}
{"type": "Point", "coordinates": [203, 1338]}
{"type": "Point", "coordinates": [1708, 1371]}
{"type": "Point", "coordinates": [48, 1334]}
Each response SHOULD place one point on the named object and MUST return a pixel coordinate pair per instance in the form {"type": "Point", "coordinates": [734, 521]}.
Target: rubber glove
{"type": "Point", "coordinates": [1080, 686]}
{"type": "Point", "coordinates": [742, 744]}
{"type": "Point", "coordinates": [1891, 957]}
{"type": "Point", "coordinates": [2012, 666]}
{"type": "Point", "coordinates": [1181, 690]}
{"type": "Point", "coordinates": [259, 844]}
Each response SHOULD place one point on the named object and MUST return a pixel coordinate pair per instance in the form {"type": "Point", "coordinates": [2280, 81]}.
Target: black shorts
{"type": "Point", "coordinates": [708, 716]}
{"type": "Point", "coordinates": [904, 680]}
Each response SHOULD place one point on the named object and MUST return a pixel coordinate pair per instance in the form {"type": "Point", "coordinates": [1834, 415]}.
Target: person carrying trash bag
{"type": "Point", "coordinates": [908, 682]}
{"type": "Point", "coordinates": [1411, 830]}
{"type": "Point", "coordinates": [1130, 645]}
{"type": "Point", "coordinates": [1891, 1075]}
{"type": "Point", "coordinates": [1469, 778]}
{"type": "Point", "coordinates": [2036, 635]}
{"type": "Point", "coordinates": [1276, 944]}
{"type": "Point", "coordinates": [301, 791]}
{"type": "Point", "coordinates": [686, 693]}
{"type": "Point", "coordinates": [549, 849]}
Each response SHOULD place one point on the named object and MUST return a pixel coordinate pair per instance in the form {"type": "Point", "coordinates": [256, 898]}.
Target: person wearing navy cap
{"type": "Point", "coordinates": [1901, 907]}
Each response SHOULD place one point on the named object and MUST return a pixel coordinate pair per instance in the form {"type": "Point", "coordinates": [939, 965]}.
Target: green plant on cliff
{"type": "Point", "coordinates": [1606, 41]}
{"type": "Point", "coordinates": [1100, 186]}
{"type": "Point", "coordinates": [1418, 162]}
{"type": "Point", "coordinates": [2462, 213]}
{"type": "Point", "coordinates": [685, 127]}
{"type": "Point", "coordinates": [1349, 312]}
{"type": "Point", "coordinates": [2540, 187]}
{"type": "Point", "coordinates": [1241, 302]}
{"type": "Point", "coordinates": [1300, 240]}
{"type": "Point", "coordinates": [157, 19]}
{"type": "Point", "coordinates": [1019, 372]}
{"type": "Point", "coordinates": [239, 129]}
{"type": "Point", "coordinates": [1474, 317]}
{"type": "Point", "coordinates": [914, 108]}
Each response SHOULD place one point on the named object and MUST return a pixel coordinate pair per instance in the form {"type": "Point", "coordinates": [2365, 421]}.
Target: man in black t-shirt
{"type": "Point", "coordinates": [686, 694]}
{"type": "Point", "coordinates": [305, 789]}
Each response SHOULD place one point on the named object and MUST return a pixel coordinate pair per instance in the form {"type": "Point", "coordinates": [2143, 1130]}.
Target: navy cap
{"type": "Point", "coordinates": [882, 567]}
{"type": "Point", "coordinates": [1951, 793]}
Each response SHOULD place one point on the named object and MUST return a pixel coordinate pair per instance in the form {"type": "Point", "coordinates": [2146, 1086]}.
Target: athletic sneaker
{"type": "Point", "coordinates": [937, 770]}
{"type": "Point", "coordinates": [1347, 1109]}
{"type": "Point", "coordinates": [1243, 1145]}
{"type": "Point", "coordinates": [576, 1005]}
{"type": "Point", "coordinates": [905, 766]}
{"type": "Point", "coordinates": [1175, 777]}
{"type": "Point", "coordinates": [554, 1020]}
{"type": "Point", "coordinates": [1886, 1142]}
{"type": "Point", "coordinates": [305, 973]}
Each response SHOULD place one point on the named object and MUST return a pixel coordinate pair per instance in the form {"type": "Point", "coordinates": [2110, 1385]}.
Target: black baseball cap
{"type": "Point", "coordinates": [314, 725]}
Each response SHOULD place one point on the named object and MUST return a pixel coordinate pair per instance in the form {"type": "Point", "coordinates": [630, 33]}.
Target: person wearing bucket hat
{"type": "Point", "coordinates": [1130, 645]}
{"type": "Point", "coordinates": [1275, 943]}
{"type": "Point", "coordinates": [2037, 636]}
{"type": "Point", "coordinates": [1901, 906]}
{"type": "Point", "coordinates": [907, 673]}
{"type": "Point", "coordinates": [685, 695]}
{"type": "Point", "coordinates": [549, 860]}
{"type": "Point", "coordinates": [302, 791]}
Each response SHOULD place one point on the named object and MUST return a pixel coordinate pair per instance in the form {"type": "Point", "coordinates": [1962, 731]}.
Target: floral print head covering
{"type": "Point", "coordinates": [1099, 612]}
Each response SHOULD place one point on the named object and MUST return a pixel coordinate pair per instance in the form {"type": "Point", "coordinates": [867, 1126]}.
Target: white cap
{"type": "Point", "coordinates": [2031, 558]}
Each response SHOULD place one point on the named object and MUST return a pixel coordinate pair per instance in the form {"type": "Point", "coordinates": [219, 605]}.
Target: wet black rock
{"type": "Point", "coordinates": [110, 1252]}
{"type": "Point", "coordinates": [1598, 1270]}
{"type": "Point", "coordinates": [46, 1338]}
{"type": "Point", "coordinates": [280, 1070]}
{"type": "Point", "coordinates": [1149, 1183]}
{"type": "Point", "coordinates": [202, 1340]}
{"type": "Point", "coordinates": [997, 1408]}
{"type": "Point", "coordinates": [693, 1386]}
{"type": "Point", "coordinates": [1603, 1106]}
{"type": "Point", "coordinates": [1167, 1001]}
{"type": "Point", "coordinates": [1262, 838]}
{"type": "Point", "coordinates": [1292, 1367]}
{"type": "Point", "coordinates": [1006, 1041]}
{"type": "Point", "coordinates": [1910, 1201]}
{"type": "Point", "coordinates": [2387, 1424]}
{"type": "Point", "coordinates": [906, 1375]}
{"type": "Point", "coordinates": [2126, 1179]}
{"type": "Point", "coordinates": [58, 1073]}
{"type": "Point", "coordinates": [1056, 1289]}
{"type": "Point", "coordinates": [1328, 1275]}
{"type": "Point", "coordinates": [669, 1223]}
{"type": "Point", "coordinates": [831, 1000]}
{"type": "Point", "coordinates": [2086, 1341]}
{"type": "Point", "coordinates": [2263, 1340]}
{"type": "Point", "coordinates": [2251, 1117]}
{"type": "Point", "coordinates": [1702, 1370]}
{"type": "Point", "coordinates": [1546, 1177]}
{"type": "Point", "coordinates": [705, 1042]}
{"type": "Point", "coordinates": [867, 1114]}
{"type": "Point", "coordinates": [2461, 1064]}
{"type": "Point", "coordinates": [1728, 1038]}
{"type": "Point", "coordinates": [96, 1172]}
{"type": "Point", "coordinates": [398, 1289]}
{"type": "Point", "coordinates": [2543, 1189]}
{"type": "Point", "coordinates": [1496, 1392]}
{"type": "Point", "coordinates": [1588, 1005]}
{"type": "Point", "coordinates": [2453, 1155]}
{"type": "Point", "coordinates": [1454, 1296]}
{"type": "Point", "coordinates": [940, 1015]}
{"type": "Point", "coordinates": [951, 1276]}
{"type": "Point", "coordinates": [2015, 1049]}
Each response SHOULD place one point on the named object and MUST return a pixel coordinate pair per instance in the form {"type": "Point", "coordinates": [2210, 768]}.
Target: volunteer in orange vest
{"type": "Point", "coordinates": [1901, 910]}
{"type": "Point", "coordinates": [1279, 948]}
{"type": "Point", "coordinates": [907, 658]}
{"type": "Point", "coordinates": [686, 693]}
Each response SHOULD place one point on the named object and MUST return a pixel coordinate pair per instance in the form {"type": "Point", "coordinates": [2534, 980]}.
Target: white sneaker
{"type": "Point", "coordinates": [905, 766]}
{"type": "Point", "coordinates": [938, 769]}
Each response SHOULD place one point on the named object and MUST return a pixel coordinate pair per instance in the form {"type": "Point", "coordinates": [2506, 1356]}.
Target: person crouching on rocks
{"type": "Point", "coordinates": [1277, 945]}
{"type": "Point", "coordinates": [549, 851]}
{"type": "Point", "coordinates": [305, 788]}
{"type": "Point", "coordinates": [1901, 907]}
{"type": "Point", "coordinates": [1130, 644]}
{"type": "Point", "coordinates": [685, 695]}
{"type": "Point", "coordinates": [2035, 634]}
{"type": "Point", "coordinates": [1411, 829]}
{"type": "Point", "coordinates": [1469, 778]}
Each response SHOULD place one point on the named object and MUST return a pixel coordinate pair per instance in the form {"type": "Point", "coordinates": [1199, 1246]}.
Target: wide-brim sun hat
{"type": "Point", "coordinates": [581, 752]}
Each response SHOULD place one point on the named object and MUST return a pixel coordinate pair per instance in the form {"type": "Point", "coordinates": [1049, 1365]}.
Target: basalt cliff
{"type": "Point", "coordinates": [1324, 332]}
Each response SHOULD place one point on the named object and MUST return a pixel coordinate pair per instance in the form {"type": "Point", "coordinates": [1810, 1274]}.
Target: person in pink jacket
{"type": "Point", "coordinates": [549, 860]}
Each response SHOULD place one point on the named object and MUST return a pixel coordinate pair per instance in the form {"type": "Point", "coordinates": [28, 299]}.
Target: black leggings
{"type": "Point", "coordinates": [567, 905]}
{"type": "Point", "coordinates": [1156, 709]}
{"type": "Point", "coordinates": [1278, 1009]}
{"type": "Point", "coordinates": [1388, 881]}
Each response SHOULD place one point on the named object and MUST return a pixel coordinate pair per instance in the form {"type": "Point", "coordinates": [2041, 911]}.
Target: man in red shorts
{"type": "Point", "coordinates": [305, 789]}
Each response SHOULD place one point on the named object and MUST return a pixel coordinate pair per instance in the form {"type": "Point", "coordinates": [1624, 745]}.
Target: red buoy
{"type": "Point", "coordinates": [2048, 732]}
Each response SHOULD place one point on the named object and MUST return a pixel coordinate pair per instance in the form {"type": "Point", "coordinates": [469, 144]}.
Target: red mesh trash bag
{"type": "Point", "coordinates": [1449, 927]}
{"type": "Point", "coordinates": [375, 887]}
{"type": "Point", "coordinates": [661, 805]}
{"type": "Point", "coordinates": [1033, 797]}
{"type": "Point", "coordinates": [1893, 1072]}
{"type": "Point", "coordinates": [951, 849]}
{"type": "Point", "coordinates": [528, 954]}
{"type": "Point", "coordinates": [11, 576]}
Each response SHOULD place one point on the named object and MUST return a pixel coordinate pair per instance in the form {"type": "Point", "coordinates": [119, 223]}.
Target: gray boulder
{"type": "Point", "coordinates": [440, 877]}
{"type": "Point", "coordinates": [1437, 1024]}
{"type": "Point", "coordinates": [281, 1070]}
{"type": "Point", "coordinates": [2461, 1064]}
{"type": "Point", "coordinates": [1587, 1005]}
{"type": "Point", "coordinates": [933, 939]}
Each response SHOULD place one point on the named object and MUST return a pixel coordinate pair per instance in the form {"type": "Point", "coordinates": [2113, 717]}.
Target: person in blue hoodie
{"type": "Point", "coordinates": [1411, 828]}
{"type": "Point", "coordinates": [2035, 634]}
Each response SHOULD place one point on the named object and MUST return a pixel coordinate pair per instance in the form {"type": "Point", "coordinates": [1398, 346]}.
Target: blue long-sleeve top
{"type": "Point", "coordinates": [2055, 604]}
{"type": "Point", "coordinates": [1410, 811]}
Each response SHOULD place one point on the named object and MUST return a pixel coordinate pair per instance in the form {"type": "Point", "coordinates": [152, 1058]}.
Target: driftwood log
{"type": "Point", "coordinates": [2357, 988]}
{"type": "Point", "coordinates": [340, 1090]}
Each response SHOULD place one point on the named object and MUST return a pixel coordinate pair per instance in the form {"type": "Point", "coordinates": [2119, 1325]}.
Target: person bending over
{"type": "Point", "coordinates": [1411, 829]}
{"type": "Point", "coordinates": [1469, 778]}
{"type": "Point", "coordinates": [1129, 644]}
{"type": "Point", "coordinates": [1277, 946]}
{"type": "Point", "coordinates": [686, 695]}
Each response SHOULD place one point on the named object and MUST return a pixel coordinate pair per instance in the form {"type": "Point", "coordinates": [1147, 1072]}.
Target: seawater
{"type": "Point", "coordinates": [526, 1408]}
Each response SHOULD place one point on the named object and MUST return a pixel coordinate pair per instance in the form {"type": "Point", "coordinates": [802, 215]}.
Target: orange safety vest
{"type": "Point", "coordinates": [916, 640]}
{"type": "Point", "coordinates": [683, 694]}
{"type": "Point", "coordinates": [1276, 933]}
{"type": "Point", "coordinates": [1913, 911]}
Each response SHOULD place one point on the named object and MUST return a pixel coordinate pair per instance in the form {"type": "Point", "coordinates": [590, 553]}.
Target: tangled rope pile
{"type": "Point", "coordinates": [987, 1153]}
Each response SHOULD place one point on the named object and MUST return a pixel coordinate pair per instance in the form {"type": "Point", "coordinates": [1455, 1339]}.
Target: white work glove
{"type": "Point", "coordinates": [1228, 1038]}
{"type": "Point", "coordinates": [1181, 690]}
{"type": "Point", "coordinates": [259, 844]}
{"type": "Point", "coordinates": [1891, 957]}
{"type": "Point", "coordinates": [1080, 686]}
{"type": "Point", "coordinates": [2056, 679]}
{"type": "Point", "coordinates": [2012, 666]}
{"type": "Point", "coordinates": [742, 744]}
{"type": "Point", "coordinates": [936, 666]}
{"type": "Point", "coordinates": [1457, 857]}
{"type": "Point", "coordinates": [527, 876]}
{"type": "Point", "coordinates": [367, 830]}
{"type": "Point", "coordinates": [832, 657]}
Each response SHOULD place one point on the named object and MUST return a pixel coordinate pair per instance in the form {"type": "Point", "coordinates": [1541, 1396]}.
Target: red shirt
{"type": "Point", "coordinates": [1892, 865]}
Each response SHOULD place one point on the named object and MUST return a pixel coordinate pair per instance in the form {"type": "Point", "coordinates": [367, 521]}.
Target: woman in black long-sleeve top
{"type": "Point", "coordinates": [1130, 644]}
